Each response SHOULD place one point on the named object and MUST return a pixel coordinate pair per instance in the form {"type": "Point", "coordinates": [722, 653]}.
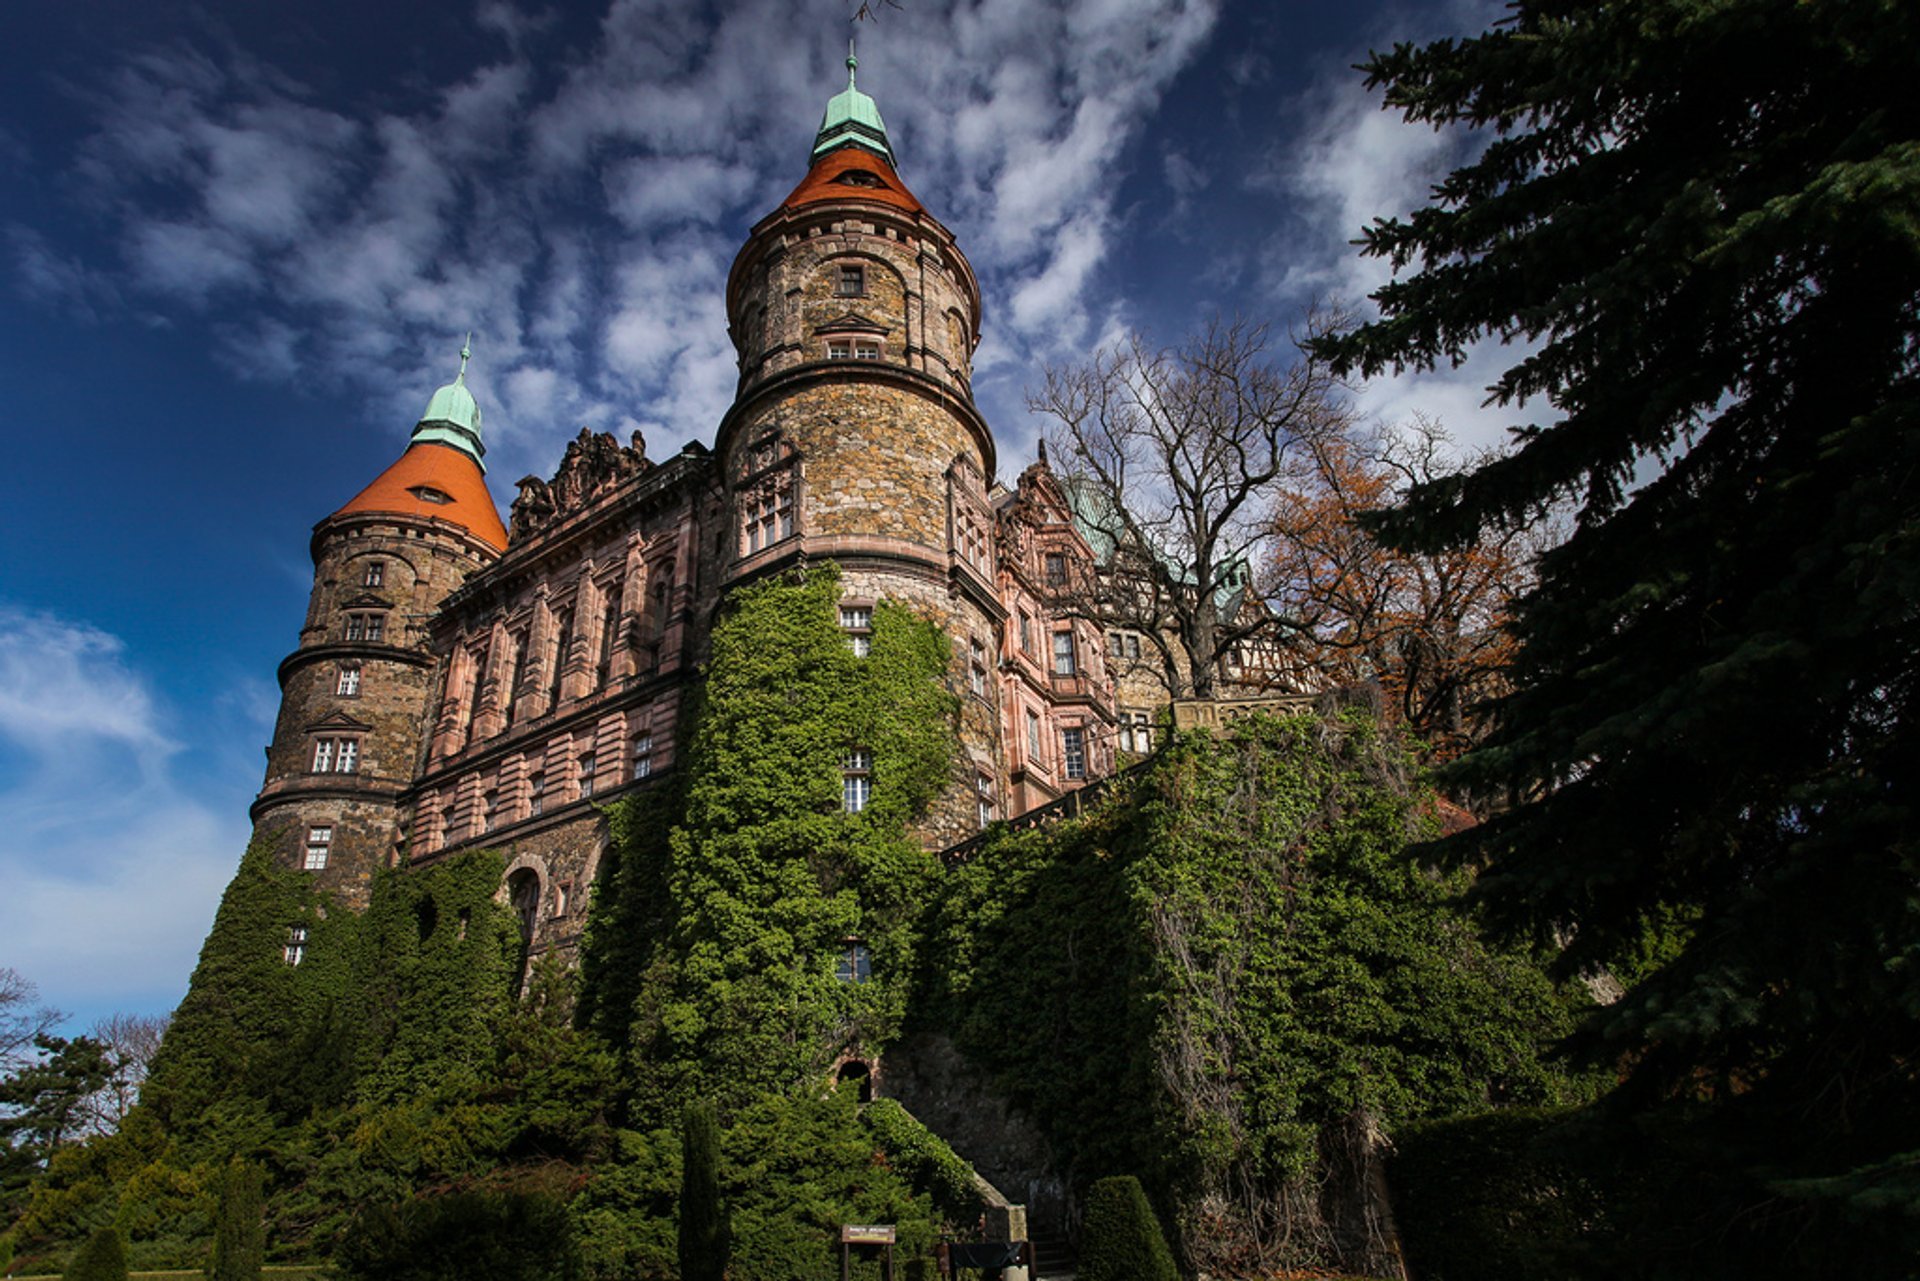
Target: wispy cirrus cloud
{"type": "Point", "coordinates": [111, 872]}
{"type": "Point", "coordinates": [577, 205]}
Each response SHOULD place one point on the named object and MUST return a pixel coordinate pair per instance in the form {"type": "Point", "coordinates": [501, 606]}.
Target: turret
{"type": "Point", "coordinates": [355, 694]}
{"type": "Point", "coordinates": [854, 436]}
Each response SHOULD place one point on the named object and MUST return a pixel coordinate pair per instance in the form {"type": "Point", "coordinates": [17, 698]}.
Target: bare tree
{"type": "Point", "coordinates": [1429, 628]}
{"type": "Point", "coordinates": [21, 1019]}
{"type": "Point", "coordinates": [131, 1041]}
{"type": "Point", "coordinates": [1169, 456]}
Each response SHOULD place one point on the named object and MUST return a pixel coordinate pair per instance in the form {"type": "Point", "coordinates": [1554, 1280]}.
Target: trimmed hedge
{"type": "Point", "coordinates": [102, 1258]}
{"type": "Point", "coordinates": [1120, 1238]}
{"type": "Point", "coordinates": [925, 1158]}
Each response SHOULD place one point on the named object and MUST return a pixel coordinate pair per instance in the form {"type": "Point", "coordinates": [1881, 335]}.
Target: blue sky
{"type": "Point", "coordinates": [240, 242]}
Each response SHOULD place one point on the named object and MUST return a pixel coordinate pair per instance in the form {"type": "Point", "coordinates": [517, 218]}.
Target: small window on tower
{"type": "Point", "coordinates": [860, 178]}
{"type": "Point", "coordinates": [348, 686]}
{"type": "Point", "coordinates": [853, 280]}
{"type": "Point", "coordinates": [854, 964]}
{"type": "Point", "coordinates": [428, 494]}
{"type": "Point", "coordinates": [857, 622]}
{"type": "Point", "coordinates": [376, 573]}
{"type": "Point", "coordinates": [319, 844]}
{"type": "Point", "coordinates": [295, 950]}
{"type": "Point", "coordinates": [856, 780]}
{"type": "Point", "coordinates": [983, 797]}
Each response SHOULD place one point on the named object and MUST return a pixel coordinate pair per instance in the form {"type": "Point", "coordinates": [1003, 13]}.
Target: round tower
{"type": "Point", "coordinates": [853, 435]}
{"type": "Point", "coordinates": [355, 695]}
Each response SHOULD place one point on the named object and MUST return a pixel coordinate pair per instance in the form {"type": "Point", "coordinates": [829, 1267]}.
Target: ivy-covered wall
{"type": "Point", "coordinates": [711, 953]}
{"type": "Point", "coordinates": [1207, 978]}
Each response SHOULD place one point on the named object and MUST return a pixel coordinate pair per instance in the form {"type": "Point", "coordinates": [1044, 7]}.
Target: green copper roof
{"type": "Point", "coordinates": [852, 120]}
{"type": "Point", "coordinates": [453, 416]}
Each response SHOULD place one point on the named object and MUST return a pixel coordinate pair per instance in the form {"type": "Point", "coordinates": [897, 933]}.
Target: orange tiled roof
{"type": "Point", "coordinates": [446, 470]}
{"type": "Point", "coordinates": [820, 183]}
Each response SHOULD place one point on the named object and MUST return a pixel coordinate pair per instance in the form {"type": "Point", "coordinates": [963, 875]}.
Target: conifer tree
{"type": "Point", "coordinates": [1703, 217]}
{"type": "Point", "coordinates": [705, 1235]}
{"type": "Point", "coordinates": [102, 1258]}
{"type": "Point", "coordinates": [239, 1242]}
{"type": "Point", "coordinates": [1122, 1240]}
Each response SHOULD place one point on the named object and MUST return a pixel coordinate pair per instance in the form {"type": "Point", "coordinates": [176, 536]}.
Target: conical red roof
{"type": "Point", "coordinates": [438, 482]}
{"type": "Point", "coordinates": [853, 173]}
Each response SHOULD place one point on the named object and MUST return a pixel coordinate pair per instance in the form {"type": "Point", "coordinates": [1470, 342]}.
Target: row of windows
{"type": "Point", "coordinates": [494, 812]}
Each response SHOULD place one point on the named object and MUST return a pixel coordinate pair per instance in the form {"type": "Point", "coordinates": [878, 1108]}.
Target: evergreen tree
{"type": "Point", "coordinates": [704, 1233]}
{"type": "Point", "coordinates": [239, 1242]}
{"type": "Point", "coordinates": [1122, 1239]}
{"type": "Point", "coordinates": [43, 1106]}
{"type": "Point", "coordinates": [1704, 216]}
{"type": "Point", "coordinates": [102, 1258]}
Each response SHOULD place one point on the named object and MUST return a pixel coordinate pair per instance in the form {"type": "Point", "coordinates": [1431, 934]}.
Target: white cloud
{"type": "Point", "coordinates": [112, 872]}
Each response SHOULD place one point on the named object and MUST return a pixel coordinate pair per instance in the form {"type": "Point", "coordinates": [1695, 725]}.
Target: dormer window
{"type": "Point", "coordinates": [860, 178]}
{"type": "Point", "coordinates": [366, 627]}
{"type": "Point", "coordinates": [853, 281]}
{"type": "Point", "coordinates": [853, 349]}
{"type": "Point", "coordinates": [428, 494]}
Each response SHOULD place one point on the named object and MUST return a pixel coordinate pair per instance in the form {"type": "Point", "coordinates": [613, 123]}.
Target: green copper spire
{"type": "Point", "coordinates": [453, 417]}
{"type": "Point", "coordinates": [852, 120]}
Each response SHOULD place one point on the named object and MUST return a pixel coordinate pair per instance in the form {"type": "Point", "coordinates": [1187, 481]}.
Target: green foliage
{"type": "Point", "coordinates": [625, 1216]}
{"type": "Point", "coordinates": [925, 1159]}
{"type": "Point", "coordinates": [795, 1170]}
{"type": "Point", "coordinates": [1204, 975]}
{"type": "Point", "coordinates": [704, 1233]}
{"type": "Point", "coordinates": [1121, 1239]}
{"type": "Point", "coordinates": [102, 1258]}
{"type": "Point", "coordinates": [463, 1236]}
{"type": "Point", "coordinates": [42, 1103]}
{"type": "Point", "coordinates": [1714, 703]}
{"type": "Point", "coordinates": [239, 1243]}
{"type": "Point", "coordinates": [749, 899]}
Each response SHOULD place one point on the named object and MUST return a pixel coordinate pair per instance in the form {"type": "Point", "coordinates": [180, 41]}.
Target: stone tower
{"type": "Point", "coordinates": [853, 435]}
{"type": "Point", "coordinates": [355, 694]}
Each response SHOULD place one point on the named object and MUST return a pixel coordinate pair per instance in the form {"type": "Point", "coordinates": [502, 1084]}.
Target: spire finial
{"type": "Point", "coordinates": [852, 62]}
{"type": "Point", "coordinates": [466, 354]}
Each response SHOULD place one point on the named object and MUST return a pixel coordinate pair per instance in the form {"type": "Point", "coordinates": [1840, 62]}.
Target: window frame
{"type": "Point", "coordinates": [346, 683]}
{"type": "Point", "coordinates": [856, 780]}
{"type": "Point", "coordinates": [1073, 751]}
{"type": "Point", "coordinates": [319, 848]}
{"type": "Point", "coordinates": [1065, 659]}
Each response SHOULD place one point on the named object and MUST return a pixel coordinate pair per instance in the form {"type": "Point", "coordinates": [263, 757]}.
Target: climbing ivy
{"type": "Point", "coordinates": [1204, 979]}
{"type": "Point", "coordinates": [766, 880]}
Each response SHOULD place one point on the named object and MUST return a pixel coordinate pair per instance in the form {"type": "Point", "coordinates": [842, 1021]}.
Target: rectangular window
{"type": "Point", "coordinates": [1063, 653]}
{"type": "Point", "coordinates": [1056, 569]}
{"type": "Point", "coordinates": [768, 515]}
{"type": "Point", "coordinates": [356, 627]}
{"type": "Point", "coordinates": [853, 280]}
{"type": "Point", "coordinates": [1073, 753]}
{"type": "Point", "coordinates": [977, 668]}
{"type": "Point", "coordinates": [296, 949]}
{"type": "Point", "coordinates": [323, 756]}
{"type": "Point", "coordinates": [983, 798]}
{"type": "Point", "coordinates": [562, 897]}
{"type": "Point", "coordinates": [856, 780]}
{"type": "Point", "coordinates": [489, 811]}
{"type": "Point", "coordinates": [854, 964]}
{"type": "Point", "coordinates": [348, 761]}
{"type": "Point", "coordinates": [866, 349]}
{"type": "Point", "coordinates": [376, 573]}
{"type": "Point", "coordinates": [348, 686]}
{"type": "Point", "coordinates": [536, 794]}
{"type": "Point", "coordinates": [839, 350]}
{"type": "Point", "coordinates": [376, 626]}
{"type": "Point", "coordinates": [1123, 644]}
{"type": "Point", "coordinates": [319, 842]}
{"type": "Point", "coordinates": [1026, 632]}
{"type": "Point", "coordinates": [1136, 732]}
{"type": "Point", "coordinates": [857, 622]}
{"type": "Point", "coordinates": [1033, 738]}
{"type": "Point", "coordinates": [587, 769]}
{"type": "Point", "coordinates": [643, 756]}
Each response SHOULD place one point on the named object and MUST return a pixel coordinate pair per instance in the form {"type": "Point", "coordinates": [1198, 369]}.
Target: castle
{"type": "Point", "coordinates": [459, 683]}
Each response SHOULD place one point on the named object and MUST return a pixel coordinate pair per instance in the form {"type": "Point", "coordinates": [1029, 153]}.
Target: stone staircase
{"type": "Point", "coordinates": [1053, 1258]}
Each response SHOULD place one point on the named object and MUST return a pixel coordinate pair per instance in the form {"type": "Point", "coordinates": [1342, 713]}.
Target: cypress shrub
{"type": "Point", "coordinates": [704, 1230]}
{"type": "Point", "coordinates": [1121, 1239]}
{"type": "Point", "coordinates": [102, 1258]}
{"type": "Point", "coordinates": [239, 1238]}
{"type": "Point", "coordinates": [463, 1236]}
{"type": "Point", "coordinates": [6, 1254]}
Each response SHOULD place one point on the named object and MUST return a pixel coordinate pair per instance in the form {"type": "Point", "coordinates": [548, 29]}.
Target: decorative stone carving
{"type": "Point", "coordinates": [594, 463]}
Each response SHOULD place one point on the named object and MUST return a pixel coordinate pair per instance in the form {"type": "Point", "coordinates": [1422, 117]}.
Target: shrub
{"type": "Point", "coordinates": [239, 1241]}
{"type": "Point", "coordinates": [102, 1258]}
{"type": "Point", "coordinates": [924, 1157]}
{"type": "Point", "coordinates": [1120, 1238]}
{"type": "Point", "coordinates": [463, 1236]}
{"type": "Point", "coordinates": [704, 1233]}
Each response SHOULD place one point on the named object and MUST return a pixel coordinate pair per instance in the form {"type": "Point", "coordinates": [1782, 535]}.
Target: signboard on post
{"type": "Point", "coordinates": [870, 1234]}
